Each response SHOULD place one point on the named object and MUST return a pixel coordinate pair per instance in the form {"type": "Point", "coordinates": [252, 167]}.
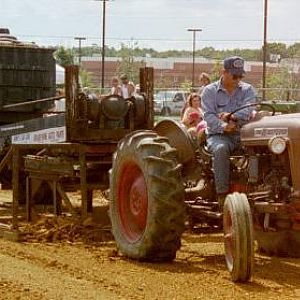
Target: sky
{"type": "Point", "coordinates": [158, 24]}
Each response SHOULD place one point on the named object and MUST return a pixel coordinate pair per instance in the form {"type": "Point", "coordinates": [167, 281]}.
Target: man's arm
{"type": "Point", "coordinates": [208, 101]}
{"type": "Point", "coordinates": [244, 115]}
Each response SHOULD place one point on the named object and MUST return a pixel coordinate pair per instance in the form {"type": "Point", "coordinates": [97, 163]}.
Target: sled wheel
{"type": "Point", "coordinates": [147, 210]}
{"type": "Point", "coordinates": [238, 234]}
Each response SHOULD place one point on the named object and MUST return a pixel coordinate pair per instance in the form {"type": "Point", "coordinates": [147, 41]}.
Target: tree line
{"type": "Point", "coordinates": [278, 50]}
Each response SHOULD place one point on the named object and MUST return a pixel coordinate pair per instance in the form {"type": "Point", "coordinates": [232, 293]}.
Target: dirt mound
{"type": "Point", "coordinates": [65, 228]}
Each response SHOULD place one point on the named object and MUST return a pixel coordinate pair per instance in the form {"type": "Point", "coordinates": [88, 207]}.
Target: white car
{"type": "Point", "coordinates": [169, 102]}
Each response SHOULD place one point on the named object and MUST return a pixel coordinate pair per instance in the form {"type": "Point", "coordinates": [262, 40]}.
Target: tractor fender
{"type": "Point", "coordinates": [178, 137]}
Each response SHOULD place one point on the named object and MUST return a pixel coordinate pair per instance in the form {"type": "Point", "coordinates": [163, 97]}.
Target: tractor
{"type": "Point", "coordinates": [159, 177]}
{"type": "Point", "coordinates": [162, 178]}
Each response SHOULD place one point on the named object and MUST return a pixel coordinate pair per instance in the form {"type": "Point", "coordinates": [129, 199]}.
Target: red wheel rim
{"type": "Point", "coordinates": [229, 239]}
{"type": "Point", "coordinates": [132, 201]}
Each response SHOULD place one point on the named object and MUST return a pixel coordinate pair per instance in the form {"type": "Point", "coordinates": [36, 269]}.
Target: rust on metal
{"type": "Point", "coordinates": [147, 87]}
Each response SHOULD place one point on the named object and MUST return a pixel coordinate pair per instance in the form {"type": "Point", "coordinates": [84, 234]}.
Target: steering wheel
{"type": "Point", "coordinates": [253, 104]}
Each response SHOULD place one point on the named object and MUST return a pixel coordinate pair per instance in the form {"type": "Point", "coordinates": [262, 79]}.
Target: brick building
{"type": "Point", "coordinates": [171, 72]}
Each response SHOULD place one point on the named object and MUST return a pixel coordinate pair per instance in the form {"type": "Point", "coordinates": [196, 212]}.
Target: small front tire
{"type": "Point", "coordinates": [238, 234]}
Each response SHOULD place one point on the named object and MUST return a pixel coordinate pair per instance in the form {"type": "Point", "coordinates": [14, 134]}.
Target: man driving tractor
{"type": "Point", "coordinates": [219, 99]}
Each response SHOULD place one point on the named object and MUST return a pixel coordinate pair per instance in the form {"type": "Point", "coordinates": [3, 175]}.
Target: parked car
{"type": "Point", "coordinates": [169, 102]}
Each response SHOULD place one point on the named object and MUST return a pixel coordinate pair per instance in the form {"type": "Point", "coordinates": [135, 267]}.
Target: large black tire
{"type": "Point", "coordinates": [147, 210]}
{"type": "Point", "coordinates": [238, 234]}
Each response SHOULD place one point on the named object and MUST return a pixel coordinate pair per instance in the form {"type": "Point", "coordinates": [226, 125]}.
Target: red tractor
{"type": "Point", "coordinates": [161, 176]}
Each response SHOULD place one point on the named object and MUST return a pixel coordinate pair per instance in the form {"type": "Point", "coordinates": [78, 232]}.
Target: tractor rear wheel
{"type": "Point", "coordinates": [238, 234]}
{"type": "Point", "coordinates": [147, 210]}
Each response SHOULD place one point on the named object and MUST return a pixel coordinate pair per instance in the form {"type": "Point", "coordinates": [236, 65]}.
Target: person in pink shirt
{"type": "Point", "coordinates": [192, 117]}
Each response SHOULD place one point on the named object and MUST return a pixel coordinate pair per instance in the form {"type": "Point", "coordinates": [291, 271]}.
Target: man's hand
{"type": "Point", "coordinates": [231, 127]}
{"type": "Point", "coordinates": [226, 117]}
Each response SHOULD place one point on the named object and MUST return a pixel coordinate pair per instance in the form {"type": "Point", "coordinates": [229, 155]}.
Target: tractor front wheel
{"type": "Point", "coordinates": [238, 234]}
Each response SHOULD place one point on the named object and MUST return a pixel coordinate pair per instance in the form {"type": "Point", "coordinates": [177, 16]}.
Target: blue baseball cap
{"type": "Point", "coordinates": [234, 65]}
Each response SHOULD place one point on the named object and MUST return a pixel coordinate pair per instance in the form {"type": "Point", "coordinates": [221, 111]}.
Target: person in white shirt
{"type": "Point", "coordinates": [127, 87]}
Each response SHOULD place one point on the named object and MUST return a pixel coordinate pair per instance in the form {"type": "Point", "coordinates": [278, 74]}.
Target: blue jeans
{"type": "Point", "coordinates": [221, 146]}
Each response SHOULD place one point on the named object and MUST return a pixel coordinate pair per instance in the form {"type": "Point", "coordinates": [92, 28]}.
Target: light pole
{"type": "Point", "coordinates": [194, 30]}
{"type": "Point", "coordinates": [103, 41]}
{"type": "Point", "coordinates": [265, 46]}
{"type": "Point", "coordinates": [79, 39]}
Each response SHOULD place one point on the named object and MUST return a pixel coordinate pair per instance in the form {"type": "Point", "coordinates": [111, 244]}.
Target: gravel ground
{"type": "Point", "coordinates": [80, 261]}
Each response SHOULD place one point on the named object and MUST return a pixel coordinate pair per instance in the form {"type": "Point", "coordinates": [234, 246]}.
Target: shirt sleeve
{"type": "Point", "coordinates": [210, 115]}
{"type": "Point", "coordinates": [249, 97]}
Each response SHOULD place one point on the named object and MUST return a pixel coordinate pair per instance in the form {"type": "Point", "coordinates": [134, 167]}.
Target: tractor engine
{"type": "Point", "coordinates": [112, 112]}
{"type": "Point", "coordinates": [270, 173]}
{"type": "Point", "coordinates": [272, 147]}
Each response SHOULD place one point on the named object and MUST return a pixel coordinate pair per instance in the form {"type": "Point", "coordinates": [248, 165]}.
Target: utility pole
{"type": "Point", "coordinates": [103, 41]}
{"type": "Point", "coordinates": [79, 39]}
{"type": "Point", "coordinates": [194, 30]}
{"type": "Point", "coordinates": [265, 46]}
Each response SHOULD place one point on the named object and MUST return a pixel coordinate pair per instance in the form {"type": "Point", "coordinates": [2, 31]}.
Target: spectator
{"type": "Point", "coordinates": [204, 81]}
{"type": "Point", "coordinates": [193, 114]}
{"type": "Point", "coordinates": [116, 88]}
{"type": "Point", "coordinates": [127, 87]}
{"type": "Point", "coordinates": [193, 117]}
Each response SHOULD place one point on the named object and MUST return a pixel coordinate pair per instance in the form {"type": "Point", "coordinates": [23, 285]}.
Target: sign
{"type": "Point", "coordinates": [270, 132]}
{"type": "Point", "coordinates": [44, 136]}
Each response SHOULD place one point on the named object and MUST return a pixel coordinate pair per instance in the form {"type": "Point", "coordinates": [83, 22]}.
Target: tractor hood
{"type": "Point", "coordinates": [260, 131]}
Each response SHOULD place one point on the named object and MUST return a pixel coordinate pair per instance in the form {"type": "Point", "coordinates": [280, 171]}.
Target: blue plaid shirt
{"type": "Point", "coordinates": [215, 99]}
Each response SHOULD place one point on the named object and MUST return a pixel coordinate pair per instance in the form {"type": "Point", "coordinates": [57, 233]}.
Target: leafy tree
{"type": "Point", "coordinates": [216, 72]}
{"type": "Point", "coordinates": [277, 48]}
{"type": "Point", "coordinates": [85, 78]}
{"type": "Point", "coordinates": [161, 82]}
{"type": "Point", "coordinates": [293, 50]}
{"type": "Point", "coordinates": [127, 65]}
{"type": "Point", "coordinates": [208, 52]}
{"type": "Point", "coordinates": [64, 56]}
{"type": "Point", "coordinates": [278, 84]}
{"type": "Point", "coordinates": [186, 85]}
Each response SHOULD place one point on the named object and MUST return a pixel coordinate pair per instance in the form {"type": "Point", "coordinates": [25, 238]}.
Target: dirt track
{"type": "Point", "coordinates": [83, 269]}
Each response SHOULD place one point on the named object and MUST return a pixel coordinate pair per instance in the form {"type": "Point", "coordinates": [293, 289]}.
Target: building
{"type": "Point", "coordinates": [172, 72]}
